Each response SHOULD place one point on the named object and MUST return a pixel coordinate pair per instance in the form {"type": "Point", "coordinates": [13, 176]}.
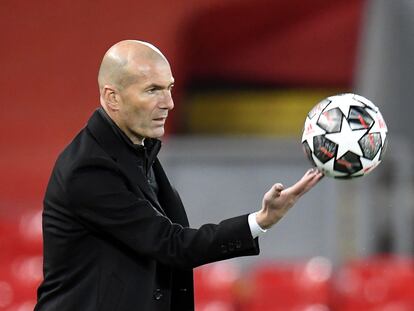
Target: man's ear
{"type": "Point", "coordinates": [110, 97]}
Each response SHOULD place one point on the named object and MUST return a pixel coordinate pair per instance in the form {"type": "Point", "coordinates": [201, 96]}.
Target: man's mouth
{"type": "Point", "coordinates": [161, 119]}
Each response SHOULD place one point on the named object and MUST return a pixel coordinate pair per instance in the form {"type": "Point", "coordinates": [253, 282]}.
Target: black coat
{"type": "Point", "coordinates": [111, 245]}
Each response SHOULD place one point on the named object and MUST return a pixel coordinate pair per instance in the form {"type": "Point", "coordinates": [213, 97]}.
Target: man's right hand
{"type": "Point", "coordinates": [278, 200]}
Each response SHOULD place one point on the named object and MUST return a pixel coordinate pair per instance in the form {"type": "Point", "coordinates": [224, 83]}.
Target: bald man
{"type": "Point", "coordinates": [116, 235]}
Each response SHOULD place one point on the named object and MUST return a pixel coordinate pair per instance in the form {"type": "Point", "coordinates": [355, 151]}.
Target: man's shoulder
{"type": "Point", "coordinates": [83, 148]}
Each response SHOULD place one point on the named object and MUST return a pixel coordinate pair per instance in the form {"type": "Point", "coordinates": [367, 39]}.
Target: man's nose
{"type": "Point", "coordinates": [167, 101]}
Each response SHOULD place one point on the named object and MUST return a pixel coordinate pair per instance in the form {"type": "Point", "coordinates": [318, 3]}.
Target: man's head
{"type": "Point", "coordinates": [135, 83]}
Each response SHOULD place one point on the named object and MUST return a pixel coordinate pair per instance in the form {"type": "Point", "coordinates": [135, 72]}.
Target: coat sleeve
{"type": "Point", "coordinates": [99, 196]}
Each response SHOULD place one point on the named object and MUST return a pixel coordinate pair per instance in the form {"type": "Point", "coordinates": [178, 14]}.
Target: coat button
{"type": "Point", "coordinates": [224, 249]}
{"type": "Point", "coordinates": [238, 244]}
{"type": "Point", "coordinates": [231, 246]}
{"type": "Point", "coordinates": [157, 294]}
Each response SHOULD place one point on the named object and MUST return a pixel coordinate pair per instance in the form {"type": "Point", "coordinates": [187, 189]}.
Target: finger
{"type": "Point", "coordinates": [311, 171]}
{"type": "Point", "coordinates": [321, 175]}
{"type": "Point", "coordinates": [315, 180]}
{"type": "Point", "coordinates": [308, 181]}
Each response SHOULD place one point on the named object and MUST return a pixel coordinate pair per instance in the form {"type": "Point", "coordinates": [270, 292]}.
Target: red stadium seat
{"type": "Point", "coordinates": [20, 261]}
{"type": "Point", "coordinates": [301, 286]}
{"type": "Point", "coordinates": [19, 279]}
{"type": "Point", "coordinates": [26, 276]}
{"type": "Point", "coordinates": [375, 284]}
{"type": "Point", "coordinates": [23, 306]}
{"type": "Point", "coordinates": [215, 287]}
{"type": "Point", "coordinates": [6, 293]}
{"type": "Point", "coordinates": [30, 232]}
{"type": "Point", "coordinates": [7, 240]}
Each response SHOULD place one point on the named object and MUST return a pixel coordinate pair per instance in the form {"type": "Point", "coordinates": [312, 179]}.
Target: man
{"type": "Point", "coordinates": [116, 235]}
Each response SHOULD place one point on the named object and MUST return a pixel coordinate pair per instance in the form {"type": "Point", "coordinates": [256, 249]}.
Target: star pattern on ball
{"type": "Point", "coordinates": [366, 101]}
{"type": "Point", "coordinates": [379, 125]}
{"type": "Point", "coordinates": [344, 103]}
{"type": "Point", "coordinates": [311, 129]}
{"type": "Point", "coordinates": [347, 139]}
{"type": "Point", "coordinates": [328, 167]}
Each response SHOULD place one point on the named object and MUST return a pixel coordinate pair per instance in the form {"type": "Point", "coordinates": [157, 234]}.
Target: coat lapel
{"type": "Point", "coordinates": [117, 150]}
{"type": "Point", "coordinates": [169, 198]}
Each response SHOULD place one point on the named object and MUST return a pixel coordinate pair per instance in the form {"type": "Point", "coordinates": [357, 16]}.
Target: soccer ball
{"type": "Point", "coordinates": [345, 136]}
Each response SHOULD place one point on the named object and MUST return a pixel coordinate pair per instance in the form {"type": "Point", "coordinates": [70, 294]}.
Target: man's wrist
{"type": "Point", "coordinates": [255, 228]}
{"type": "Point", "coordinates": [262, 220]}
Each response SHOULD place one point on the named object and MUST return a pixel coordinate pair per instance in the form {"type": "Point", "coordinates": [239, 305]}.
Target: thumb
{"type": "Point", "coordinates": [276, 190]}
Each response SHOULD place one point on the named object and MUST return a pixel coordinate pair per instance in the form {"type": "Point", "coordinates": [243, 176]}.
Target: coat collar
{"type": "Point", "coordinates": [120, 152]}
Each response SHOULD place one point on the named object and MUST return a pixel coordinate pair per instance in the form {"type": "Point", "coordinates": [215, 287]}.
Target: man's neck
{"type": "Point", "coordinates": [127, 138]}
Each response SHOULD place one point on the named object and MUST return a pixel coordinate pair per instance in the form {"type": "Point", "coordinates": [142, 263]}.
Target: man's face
{"type": "Point", "coordinates": [144, 104]}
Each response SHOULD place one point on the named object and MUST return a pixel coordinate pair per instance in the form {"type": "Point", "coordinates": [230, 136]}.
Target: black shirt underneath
{"type": "Point", "coordinates": [145, 154]}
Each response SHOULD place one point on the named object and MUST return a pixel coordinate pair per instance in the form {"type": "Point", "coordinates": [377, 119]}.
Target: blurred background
{"type": "Point", "coordinates": [247, 72]}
